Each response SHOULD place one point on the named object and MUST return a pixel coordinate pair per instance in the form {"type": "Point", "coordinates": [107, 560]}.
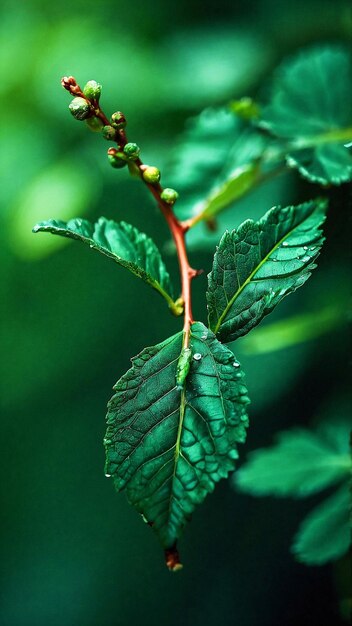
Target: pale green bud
{"type": "Point", "coordinates": [79, 108]}
{"type": "Point", "coordinates": [92, 90]}
{"type": "Point", "coordinates": [132, 151]}
{"type": "Point", "coordinates": [169, 195]}
{"type": "Point", "coordinates": [151, 175]}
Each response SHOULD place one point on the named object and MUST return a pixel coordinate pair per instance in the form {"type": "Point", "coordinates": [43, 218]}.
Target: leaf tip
{"type": "Point", "coordinates": [172, 559]}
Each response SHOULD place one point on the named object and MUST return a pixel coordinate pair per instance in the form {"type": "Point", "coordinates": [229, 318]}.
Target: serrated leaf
{"type": "Point", "coordinates": [215, 162]}
{"type": "Point", "coordinates": [122, 243]}
{"type": "Point", "coordinates": [168, 447]}
{"type": "Point", "coordinates": [311, 106]}
{"type": "Point", "coordinates": [325, 534]}
{"type": "Point", "coordinates": [259, 264]}
{"type": "Point", "coordinates": [300, 464]}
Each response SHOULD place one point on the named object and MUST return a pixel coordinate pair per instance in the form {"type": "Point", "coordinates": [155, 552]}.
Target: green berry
{"type": "Point", "coordinates": [151, 175]}
{"type": "Point", "coordinates": [169, 195]}
{"type": "Point", "coordinates": [92, 90]}
{"type": "Point", "coordinates": [132, 151]}
{"type": "Point", "coordinates": [118, 120]}
{"type": "Point", "coordinates": [80, 108]}
{"type": "Point", "coordinates": [95, 124]}
{"type": "Point", "coordinates": [116, 161]}
{"type": "Point", "coordinates": [109, 132]}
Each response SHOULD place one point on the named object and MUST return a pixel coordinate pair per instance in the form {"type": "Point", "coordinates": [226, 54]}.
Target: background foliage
{"type": "Point", "coordinates": [74, 551]}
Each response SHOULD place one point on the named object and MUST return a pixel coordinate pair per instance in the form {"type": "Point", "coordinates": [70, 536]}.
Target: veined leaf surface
{"type": "Point", "coordinates": [168, 447]}
{"type": "Point", "coordinates": [122, 243]}
{"type": "Point", "coordinates": [260, 263]}
{"type": "Point", "coordinates": [311, 106]}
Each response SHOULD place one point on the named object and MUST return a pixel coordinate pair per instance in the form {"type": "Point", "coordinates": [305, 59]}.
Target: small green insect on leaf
{"type": "Point", "coordinates": [183, 365]}
{"type": "Point", "coordinates": [311, 107]}
{"type": "Point", "coordinates": [122, 243]}
{"type": "Point", "coordinates": [259, 264]}
{"type": "Point", "coordinates": [166, 448]}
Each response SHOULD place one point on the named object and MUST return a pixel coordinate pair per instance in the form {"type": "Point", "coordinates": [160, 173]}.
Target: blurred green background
{"type": "Point", "coordinates": [74, 552]}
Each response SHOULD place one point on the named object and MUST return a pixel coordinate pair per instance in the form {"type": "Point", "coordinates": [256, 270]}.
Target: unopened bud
{"type": "Point", "coordinates": [109, 132]}
{"type": "Point", "coordinates": [151, 175]}
{"type": "Point", "coordinates": [118, 120]}
{"type": "Point", "coordinates": [79, 108]}
{"type": "Point", "coordinates": [132, 151]}
{"type": "Point", "coordinates": [169, 195]}
{"type": "Point", "coordinates": [115, 160]}
{"type": "Point", "coordinates": [92, 90]}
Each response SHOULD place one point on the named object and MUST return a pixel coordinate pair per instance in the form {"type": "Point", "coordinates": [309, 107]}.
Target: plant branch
{"type": "Point", "coordinates": [177, 228]}
{"type": "Point", "coordinates": [178, 231]}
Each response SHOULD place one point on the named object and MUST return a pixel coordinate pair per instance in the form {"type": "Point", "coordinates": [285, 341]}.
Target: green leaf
{"type": "Point", "coordinates": [122, 243]}
{"type": "Point", "coordinates": [260, 263]}
{"type": "Point", "coordinates": [215, 162]}
{"type": "Point", "coordinates": [325, 534]}
{"type": "Point", "coordinates": [311, 106]}
{"type": "Point", "coordinates": [168, 447]}
{"type": "Point", "coordinates": [300, 464]}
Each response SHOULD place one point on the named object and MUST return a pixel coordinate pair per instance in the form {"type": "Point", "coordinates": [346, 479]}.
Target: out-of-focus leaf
{"type": "Point", "coordinates": [214, 163]}
{"type": "Point", "coordinates": [271, 192]}
{"type": "Point", "coordinates": [311, 106]}
{"type": "Point", "coordinates": [168, 447]}
{"type": "Point", "coordinates": [293, 330]}
{"type": "Point", "coordinates": [300, 464]}
{"type": "Point", "coordinates": [260, 263]}
{"type": "Point", "coordinates": [325, 534]}
{"type": "Point", "coordinates": [122, 243]}
{"type": "Point", "coordinates": [210, 65]}
{"type": "Point", "coordinates": [66, 188]}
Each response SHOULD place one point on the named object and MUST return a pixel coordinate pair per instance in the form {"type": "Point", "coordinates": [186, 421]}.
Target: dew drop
{"type": "Point", "coordinates": [284, 244]}
{"type": "Point", "coordinates": [144, 519]}
{"type": "Point", "coordinates": [236, 364]}
{"type": "Point", "coordinates": [108, 475]}
{"type": "Point", "coordinates": [312, 248]}
{"type": "Point", "coordinates": [197, 356]}
{"type": "Point", "coordinates": [305, 247]}
{"type": "Point", "coordinates": [274, 260]}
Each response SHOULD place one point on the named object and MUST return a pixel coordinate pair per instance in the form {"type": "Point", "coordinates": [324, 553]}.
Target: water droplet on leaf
{"type": "Point", "coordinates": [108, 475]}
{"type": "Point", "coordinates": [236, 364]}
{"type": "Point", "coordinates": [197, 356]}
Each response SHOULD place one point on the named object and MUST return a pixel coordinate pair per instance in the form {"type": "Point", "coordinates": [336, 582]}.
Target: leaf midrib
{"type": "Point", "coordinates": [248, 280]}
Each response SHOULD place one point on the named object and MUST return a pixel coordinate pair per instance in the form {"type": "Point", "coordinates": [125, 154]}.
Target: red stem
{"type": "Point", "coordinates": [178, 230]}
